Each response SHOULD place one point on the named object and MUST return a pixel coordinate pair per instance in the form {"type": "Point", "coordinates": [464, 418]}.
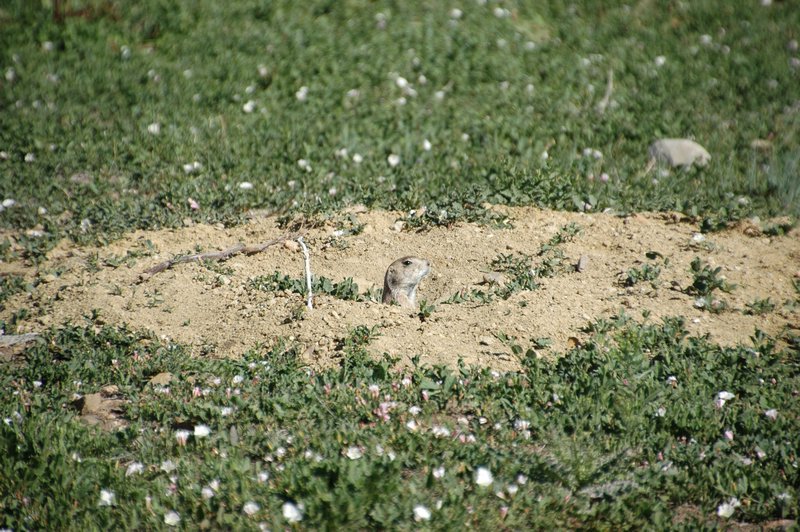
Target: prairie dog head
{"type": "Point", "coordinates": [401, 280]}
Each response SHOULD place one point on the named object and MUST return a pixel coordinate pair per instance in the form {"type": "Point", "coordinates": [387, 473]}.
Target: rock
{"type": "Point", "coordinates": [358, 208]}
{"type": "Point", "coordinates": [761, 144]}
{"type": "Point", "coordinates": [486, 340]}
{"type": "Point", "coordinates": [583, 263]}
{"type": "Point", "coordinates": [81, 178]}
{"type": "Point", "coordinates": [291, 245]}
{"type": "Point", "coordinates": [398, 226]}
{"type": "Point", "coordinates": [679, 152]}
{"type": "Point", "coordinates": [494, 278]}
{"type": "Point", "coordinates": [161, 379]}
{"type": "Point", "coordinates": [95, 409]}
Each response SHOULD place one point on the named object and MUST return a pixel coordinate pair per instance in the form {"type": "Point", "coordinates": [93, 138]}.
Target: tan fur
{"type": "Point", "coordinates": [402, 279]}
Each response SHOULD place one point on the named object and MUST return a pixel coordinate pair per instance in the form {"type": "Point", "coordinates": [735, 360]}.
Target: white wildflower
{"type": "Point", "coordinates": [168, 466]}
{"type": "Point", "coordinates": [206, 492]}
{"type": "Point", "coordinates": [292, 512]}
{"type": "Point", "coordinates": [771, 413]}
{"type": "Point", "coordinates": [154, 128]}
{"type": "Point", "coordinates": [134, 469]}
{"type": "Point", "coordinates": [354, 453]}
{"type": "Point", "coordinates": [107, 498]}
{"type": "Point", "coordinates": [246, 185]}
{"type": "Point", "coordinates": [182, 436]}
{"type": "Point", "coordinates": [249, 106]}
{"type": "Point", "coordinates": [201, 431]}
{"type": "Point", "coordinates": [440, 431]}
{"type": "Point", "coordinates": [483, 477]}
{"type": "Point", "coordinates": [421, 513]}
{"type": "Point", "coordinates": [456, 13]}
{"type": "Point", "coordinates": [302, 94]}
{"type": "Point", "coordinates": [393, 160]}
{"type": "Point", "coordinates": [438, 472]}
{"type": "Point", "coordinates": [522, 424]}
{"type": "Point", "coordinates": [412, 425]}
{"type": "Point", "coordinates": [414, 410]}
{"type": "Point", "coordinates": [250, 507]}
{"type": "Point", "coordinates": [172, 518]}
{"type": "Point", "coordinates": [358, 158]}
{"type": "Point", "coordinates": [660, 61]}
{"type": "Point", "coordinates": [401, 82]}
{"type": "Point", "coordinates": [726, 509]}
{"type": "Point", "coordinates": [30, 157]}
{"type": "Point", "coordinates": [426, 145]}
{"type": "Point", "coordinates": [192, 167]}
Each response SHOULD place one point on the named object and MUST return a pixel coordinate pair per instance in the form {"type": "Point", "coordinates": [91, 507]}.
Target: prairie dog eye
{"type": "Point", "coordinates": [407, 262]}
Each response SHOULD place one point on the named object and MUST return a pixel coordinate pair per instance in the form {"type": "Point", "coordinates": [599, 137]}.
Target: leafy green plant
{"type": "Point", "coordinates": [346, 289]}
{"type": "Point", "coordinates": [637, 422]}
{"type": "Point", "coordinates": [706, 280]}
{"type": "Point", "coordinates": [425, 310]}
{"type": "Point", "coordinates": [10, 285]}
{"type": "Point", "coordinates": [646, 272]}
{"type": "Point", "coordinates": [760, 307]}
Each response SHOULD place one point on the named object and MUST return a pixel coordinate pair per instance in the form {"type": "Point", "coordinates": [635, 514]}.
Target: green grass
{"type": "Point", "coordinates": [626, 431]}
{"type": "Point", "coordinates": [513, 87]}
{"type": "Point", "coordinates": [621, 432]}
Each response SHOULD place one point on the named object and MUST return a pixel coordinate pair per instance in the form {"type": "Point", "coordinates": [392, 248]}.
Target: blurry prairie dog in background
{"type": "Point", "coordinates": [402, 279]}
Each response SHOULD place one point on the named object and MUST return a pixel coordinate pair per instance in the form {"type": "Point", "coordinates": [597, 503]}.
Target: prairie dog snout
{"type": "Point", "coordinates": [402, 279]}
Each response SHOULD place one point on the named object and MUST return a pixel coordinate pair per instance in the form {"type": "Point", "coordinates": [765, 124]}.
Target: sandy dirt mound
{"type": "Point", "coordinates": [220, 314]}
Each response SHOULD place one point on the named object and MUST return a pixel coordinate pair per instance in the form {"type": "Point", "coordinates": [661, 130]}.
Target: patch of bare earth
{"type": "Point", "coordinates": [217, 313]}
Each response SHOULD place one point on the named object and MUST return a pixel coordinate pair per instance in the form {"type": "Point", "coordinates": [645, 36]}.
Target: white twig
{"type": "Point", "coordinates": [602, 104]}
{"type": "Point", "coordinates": [307, 257]}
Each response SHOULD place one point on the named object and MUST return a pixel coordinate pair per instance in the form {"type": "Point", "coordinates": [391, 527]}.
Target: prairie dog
{"type": "Point", "coordinates": [401, 280]}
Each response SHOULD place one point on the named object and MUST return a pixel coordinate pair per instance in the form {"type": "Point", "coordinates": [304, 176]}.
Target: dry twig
{"type": "Point", "coordinates": [216, 255]}
{"type": "Point", "coordinates": [602, 104]}
{"type": "Point", "coordinates": [310, 297]}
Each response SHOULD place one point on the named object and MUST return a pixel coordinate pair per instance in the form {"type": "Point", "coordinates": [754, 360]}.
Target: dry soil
{"type": "Point", "coordinates": [218, 315]}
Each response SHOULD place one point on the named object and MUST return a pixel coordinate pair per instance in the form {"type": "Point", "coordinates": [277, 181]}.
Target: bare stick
{"type": "Point", "coordinates": [218, 255]}
{"type": "Point", "coordinates": [309, 302]}
{"type": "Point", "coordinates": [602, 104]}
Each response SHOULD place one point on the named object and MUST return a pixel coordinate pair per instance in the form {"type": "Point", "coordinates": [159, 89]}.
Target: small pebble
{"type": "Point", "coordinates": [494, 278]}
